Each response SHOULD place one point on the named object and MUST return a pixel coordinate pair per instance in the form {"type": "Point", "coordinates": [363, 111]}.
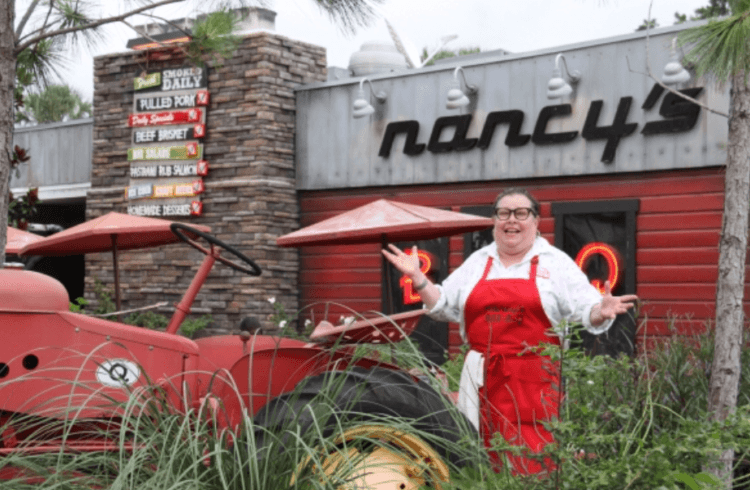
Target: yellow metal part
{"type": "Point", "coordinates": [390, 460]}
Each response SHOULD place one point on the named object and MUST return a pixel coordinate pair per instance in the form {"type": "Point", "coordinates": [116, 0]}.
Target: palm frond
{"type": "Point", "coordinates": [38, 64]}
{"type": "Point", "coordinates": [77, 13]}
{"type": "Point", "coordinates": [349, 14]}
{"type": "Point", "coordinates": [721, 46]}
{"type": "Point", "coordinates": [46, 17]}
{"type": "Point", "coordinates": [213, 37]}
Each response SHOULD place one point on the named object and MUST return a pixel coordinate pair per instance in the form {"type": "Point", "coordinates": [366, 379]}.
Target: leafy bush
{"type": "Point", "coordinates": [638, 423]}
{"type": "Point", "coordinates": [147, 319]}
{"type": "Point", "coordinates": [635, 423]}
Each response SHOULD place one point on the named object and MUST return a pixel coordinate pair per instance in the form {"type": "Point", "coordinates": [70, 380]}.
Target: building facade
{"type": "Point", "coordinates": [629, 174]}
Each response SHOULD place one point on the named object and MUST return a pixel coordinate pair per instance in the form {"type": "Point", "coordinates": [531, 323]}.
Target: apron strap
{"type": "Point", "coordinates": [532, 271]}
{"type": "Point", "coordinates": [487, 268]}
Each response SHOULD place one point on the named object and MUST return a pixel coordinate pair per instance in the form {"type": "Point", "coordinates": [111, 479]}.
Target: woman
{"type": "Point", "coordinates": [506, 297]}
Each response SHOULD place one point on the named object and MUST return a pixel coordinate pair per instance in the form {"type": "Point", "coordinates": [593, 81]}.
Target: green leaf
{"type": "Point", "coordinates": [708, 478]}
{"type": "Point", "coordinates": [687, 480]}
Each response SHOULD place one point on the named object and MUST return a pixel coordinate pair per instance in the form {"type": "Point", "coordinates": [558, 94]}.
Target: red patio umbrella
{"type": "Point", "coordinates": [384, 221]}
{"type": "Point", "coordinates": [17, 239]}
{"type": "Point", "coordinates": [113, 231]}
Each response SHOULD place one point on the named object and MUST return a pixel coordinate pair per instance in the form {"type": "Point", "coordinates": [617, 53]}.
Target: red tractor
{"type": "Point", "coordinates": [52, 359]}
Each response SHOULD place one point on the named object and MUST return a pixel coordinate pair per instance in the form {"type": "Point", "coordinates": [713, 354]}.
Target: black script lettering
{"type": "Point", "coordinates": [514, 137]}
{"type": "Point", "coordinates": [411, 128]}
{"type": "Point", "coordinates": [652, 97]}
{"type": "Point", "coordinates": [612, 133]}
{"type": "Point", "coordinates": [459, 141]}
{"type": "Point", "coordinates": [680, 114]}
{"type": "Point", "coordinates": [541, 137]}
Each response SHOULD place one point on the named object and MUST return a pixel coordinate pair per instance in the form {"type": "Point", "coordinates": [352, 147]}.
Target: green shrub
{"type": "Point", "coordinates": [635, 423]}
{"type": "Point", "coordinates": [638, 423]}
{"type": "Point", "coordinates": [147, 319]}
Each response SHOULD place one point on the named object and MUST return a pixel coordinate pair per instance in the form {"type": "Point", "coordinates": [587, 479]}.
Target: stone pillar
{"type": "Point", "coordinates": [250, 197]}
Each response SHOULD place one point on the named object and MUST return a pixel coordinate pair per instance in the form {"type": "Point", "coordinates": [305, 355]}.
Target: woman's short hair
{"type": "Point", "coordinates": [512, 191]}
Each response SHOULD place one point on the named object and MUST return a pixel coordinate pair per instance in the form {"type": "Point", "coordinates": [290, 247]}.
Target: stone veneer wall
{"type": "Point", "coordinates": [250, 196]}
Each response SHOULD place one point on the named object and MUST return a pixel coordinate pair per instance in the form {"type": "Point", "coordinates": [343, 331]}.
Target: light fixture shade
{"type": "Point", "coordinates": [456, 99]}
{"type": "Point", "coordinates": [362, 108]}
{"type": "Point", "coordinates": [557, 86]}
{"type": "Point", "coordinates": [675, 73]}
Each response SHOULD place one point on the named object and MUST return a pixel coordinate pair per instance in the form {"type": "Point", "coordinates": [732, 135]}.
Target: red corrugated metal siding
{"type": "Point", "coordinates": [677, 236]}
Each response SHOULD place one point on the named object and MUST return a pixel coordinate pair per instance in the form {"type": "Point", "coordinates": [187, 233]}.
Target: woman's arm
{"type": "Point", "coordinates": [611, 306]}
{"type": "Point", "coordinates": [409, 266]}
{"type": "Point", "coordinates": [577, 299]}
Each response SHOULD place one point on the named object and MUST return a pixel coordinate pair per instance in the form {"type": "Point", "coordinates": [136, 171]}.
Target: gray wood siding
{"type": "Point", "coordinates": [334, 150]}
{"type": "Point", "coordinates": [60, 154]}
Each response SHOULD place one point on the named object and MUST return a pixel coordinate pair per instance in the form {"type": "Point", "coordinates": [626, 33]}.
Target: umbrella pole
{"type": "Point", "coordinates": [389, 293]}
{"type": "Point", "coordinates": [387, 275]}
{"type": "Point", "coordinates": [117, 274]}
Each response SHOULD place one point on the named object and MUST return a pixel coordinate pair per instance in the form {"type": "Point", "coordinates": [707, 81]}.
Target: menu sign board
{"type": "Point", "coordinates": [193, 208]}
{"type": "Point", "coordinates": [169, 107]}
{"type": "Point", "coordinates": [170, 117]}
{"type": "Point", "coordinates": [167, 102]}
{"type": "Point", "coordinates": [187, 152]}
{"type": "Point", "coordinates": [184, 189]}
{"type": "Point", "coordinates": [199, 168]}
{"type": "Point", "coordinates": [151, 135]}
{"type": "Point", "coordinates": [190, 77]}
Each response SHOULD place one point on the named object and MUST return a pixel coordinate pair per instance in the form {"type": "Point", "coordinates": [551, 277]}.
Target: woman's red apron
{"type": "Point", "coordinates": [504, 321]}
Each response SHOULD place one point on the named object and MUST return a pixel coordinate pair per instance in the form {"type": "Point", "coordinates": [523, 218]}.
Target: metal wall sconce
{"type": "Point", "coordinates": [362, 107]}
{"type": "Point", "coordinates": [674, 72]}
{"type": "Point", "coordinates": [557, 86]}
{"type": "Point", "coordinates": [456, 97]}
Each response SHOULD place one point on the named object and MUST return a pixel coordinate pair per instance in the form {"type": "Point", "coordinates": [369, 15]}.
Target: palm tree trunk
{"type": "Point", "coordinates": [725, 370]}
{"type": "Point", "coordinates": [7, 81]}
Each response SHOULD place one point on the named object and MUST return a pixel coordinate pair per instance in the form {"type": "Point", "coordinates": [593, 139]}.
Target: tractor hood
{"type": "Point", "coordinates": [27, 291]}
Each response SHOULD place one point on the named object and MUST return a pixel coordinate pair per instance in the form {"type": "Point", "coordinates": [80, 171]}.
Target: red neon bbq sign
{"type": "Point", "coordinates": [611, 256]}
{"type": "Point", "coordinates": [425, 265]}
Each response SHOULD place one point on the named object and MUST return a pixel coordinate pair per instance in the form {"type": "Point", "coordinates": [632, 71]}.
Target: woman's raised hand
{"type": "Point", "coordinates": [405, 263]}
{"type": "Point", "coordinates": [611, 306]}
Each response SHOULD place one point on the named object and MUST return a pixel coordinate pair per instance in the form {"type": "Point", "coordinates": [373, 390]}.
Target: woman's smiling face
{"type": "Point", "coordinates": [515, 237]}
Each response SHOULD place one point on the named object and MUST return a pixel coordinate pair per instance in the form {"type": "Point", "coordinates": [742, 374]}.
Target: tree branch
{"type": "Point", "coordinates": [25, 18]}
{"type": "Point", "coordinates": [45, 25]}
{"type": "Point", "coordinates": [650, 75]}
{"type": "Point", "coordinates": [100, 22]}
{"type": "Point", "coordinates": [166, 21]}
{"type": "Point", "coordinates": [49, 13]}
{"type": "Point", "coordinates": [676, 92]}
{"type": "Point", "coordinates": [133, 310]}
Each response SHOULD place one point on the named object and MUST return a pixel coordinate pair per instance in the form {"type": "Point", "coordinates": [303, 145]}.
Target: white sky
{"type": "Point", "coordinates": [513, 25]}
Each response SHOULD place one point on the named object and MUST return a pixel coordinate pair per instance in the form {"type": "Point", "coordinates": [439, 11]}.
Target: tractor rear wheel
{"type": "Point", "coordinates": [356, 405]}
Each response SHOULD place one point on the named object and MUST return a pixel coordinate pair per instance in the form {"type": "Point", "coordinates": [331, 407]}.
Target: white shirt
{"type": "Point", "coordinates": [564, 289]}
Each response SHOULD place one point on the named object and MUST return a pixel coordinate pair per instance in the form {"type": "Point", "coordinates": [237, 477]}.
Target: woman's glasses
{"type": "Point", "coordinates": [520, 213]}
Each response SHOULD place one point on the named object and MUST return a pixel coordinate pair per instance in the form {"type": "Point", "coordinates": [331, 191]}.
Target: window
{"type": "Point", "coordinates": [601, 235]}
{"type": "Point", "coordinates": [430, 335]}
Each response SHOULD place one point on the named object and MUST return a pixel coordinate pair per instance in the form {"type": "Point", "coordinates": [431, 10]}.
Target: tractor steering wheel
{"type": "Point", "coordinates": [253, 270]}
